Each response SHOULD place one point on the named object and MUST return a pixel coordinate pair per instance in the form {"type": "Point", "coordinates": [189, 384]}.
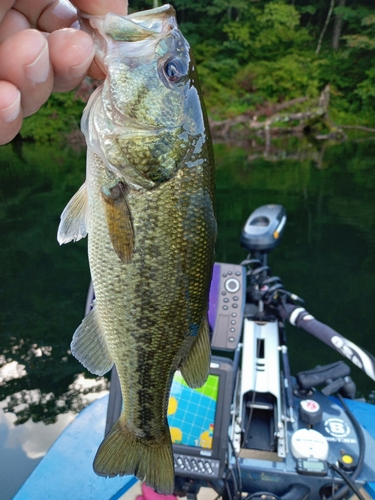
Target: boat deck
{"type": "Point", "coordinates": [66, 471]}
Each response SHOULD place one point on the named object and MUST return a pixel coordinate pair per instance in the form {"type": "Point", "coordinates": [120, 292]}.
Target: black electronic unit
{"type": "Point", "coordinates": [311, 467]}
{"type": "Point", "coordinates": [227, 305]}
{"type": "Point", "coordinates": [199, 420]}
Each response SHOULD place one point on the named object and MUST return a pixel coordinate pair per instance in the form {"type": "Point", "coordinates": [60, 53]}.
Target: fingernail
{"type": "Point", "coordinates": [38, 70]}
{"type": "Point", "coordinates": [10, 113]}
{"type": "Point", "coordinates": [80, 70]}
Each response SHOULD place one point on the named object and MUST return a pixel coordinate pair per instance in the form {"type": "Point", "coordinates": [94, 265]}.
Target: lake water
{"type": "Point", "coordinates": [327, 257]}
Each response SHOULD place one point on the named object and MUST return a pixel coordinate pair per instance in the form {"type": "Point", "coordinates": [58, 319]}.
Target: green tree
{"type": "Point", "coordinates": [254, 52]}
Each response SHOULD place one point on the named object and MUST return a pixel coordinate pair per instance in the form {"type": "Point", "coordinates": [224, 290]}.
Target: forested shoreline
{"type": "Point", "coordinates": [264, 58]}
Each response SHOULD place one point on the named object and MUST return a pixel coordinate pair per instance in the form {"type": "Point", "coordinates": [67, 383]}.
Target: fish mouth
{"type": "Point", "coordinates": [141, 25]}
{"type": "Point", "coordinates": [141, 119]}
{"type": "Point", "coordinates": [123, 44]}
{"type": "Point", "coordinates": [136, 28]}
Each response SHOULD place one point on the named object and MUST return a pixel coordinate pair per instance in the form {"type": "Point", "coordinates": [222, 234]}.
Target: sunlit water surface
{"type": "Point", "coordinates": [327, 257]}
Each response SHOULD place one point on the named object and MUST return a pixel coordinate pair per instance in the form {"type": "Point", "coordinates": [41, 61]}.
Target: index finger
{"type": "Point", "coordinates": [46, 15]}
{"type": "Point", "coordinates": [50, 16]}
{"type": "Point", "coordinates": [102, 7]}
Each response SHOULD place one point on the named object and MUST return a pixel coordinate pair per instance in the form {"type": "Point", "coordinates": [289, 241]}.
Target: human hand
{"type": "Point", "coordinates": [40, 53]}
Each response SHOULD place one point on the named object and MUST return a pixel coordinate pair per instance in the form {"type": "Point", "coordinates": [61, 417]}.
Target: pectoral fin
{"type": "Point", "coordinates": [196, 367]}
{"type": "Point", "coordinates": [119, 221]}
{"type": "Point", "coordinates": [89, 345]}
{"type": "Point", "coordinates": [73, 219]}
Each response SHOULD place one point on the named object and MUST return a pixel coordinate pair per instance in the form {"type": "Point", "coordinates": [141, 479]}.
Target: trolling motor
{"type": "Point", "coordinates": [261, 234]}
{"type": "Point", "coordinates": [263, 230]}
{"type": "Point", "coordinates": [260, 393]}
{"type": "Point", "coordinates": [287, 435]}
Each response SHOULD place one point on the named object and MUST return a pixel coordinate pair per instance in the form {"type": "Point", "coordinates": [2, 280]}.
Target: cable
{"type": "Point", "coordinates": [348, 481]}
{"type": "Point", "coordinates": [361, 437]}
{"type": "Point", "coordinates": [227, 484]}
{"type": "Point", "coordinates": [221, 491]}
{"type": "Point", "coordinates": [270, 292]}
{"type": "Point", "coordinates": [362, 447]}
{"type": "Point", "coordinates": [255, 272]}
{"type": "Point", "coordinates": [333, 485]}
{"type": "Point", "coordinates": [248, 262]}
{"type": "Point", "coordinates": [271, 279]}
{"type": "Point", "coordinates": [235, 484]}
{"type": "Point", "coordinates": [239, 489]}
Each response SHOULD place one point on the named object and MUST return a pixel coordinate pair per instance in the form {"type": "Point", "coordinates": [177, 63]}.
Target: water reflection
{"type": "Point", "coordinates": [38, 404]}
{"type": "Point", "coordinates": [23, 446]}
{"type": "Point", "coordinates": [34, 438]}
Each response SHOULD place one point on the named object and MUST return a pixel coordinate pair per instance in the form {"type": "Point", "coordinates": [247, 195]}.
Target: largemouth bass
{"type": "Point", "coordinates": [147, 207]}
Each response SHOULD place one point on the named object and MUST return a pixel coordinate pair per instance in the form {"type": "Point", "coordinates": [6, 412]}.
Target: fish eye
{"type": "Point", "coordinates": [174, 69]}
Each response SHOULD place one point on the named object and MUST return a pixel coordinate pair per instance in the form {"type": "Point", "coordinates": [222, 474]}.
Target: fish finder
{"type": "Point", "coordinates": [198, 420]}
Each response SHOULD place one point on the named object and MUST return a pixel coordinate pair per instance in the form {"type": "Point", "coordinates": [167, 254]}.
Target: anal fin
{"type": "Point", "coordinates": [197, 364]}
{"type": "Point", "coordinates": [89, 345]}
{"type": "Point", "coordinates": [119, 221]}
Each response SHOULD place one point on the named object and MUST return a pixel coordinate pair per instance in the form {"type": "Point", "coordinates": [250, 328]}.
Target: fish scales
{"type": "Point", "coordinates": [147, 207]}
{"type": "Point", "coordinates": [141, 299]}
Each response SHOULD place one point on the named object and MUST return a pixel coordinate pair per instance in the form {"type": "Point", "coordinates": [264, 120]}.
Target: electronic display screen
{"type": "Point", "coordinates": [191, 412]}
{"type": "Point", "coordinates": [313, 465]}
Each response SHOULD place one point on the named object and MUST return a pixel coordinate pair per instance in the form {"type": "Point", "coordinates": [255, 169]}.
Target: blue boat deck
{"type": "Point", "coordinates": [66, 471]}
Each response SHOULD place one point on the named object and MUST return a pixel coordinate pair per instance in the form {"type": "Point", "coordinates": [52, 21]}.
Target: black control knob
{"type": "Point", "coordinates": [310, 411]}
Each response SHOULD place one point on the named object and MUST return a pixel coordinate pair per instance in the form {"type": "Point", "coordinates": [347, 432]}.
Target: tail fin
{"type": "Point", "coordinates": [123, 452]}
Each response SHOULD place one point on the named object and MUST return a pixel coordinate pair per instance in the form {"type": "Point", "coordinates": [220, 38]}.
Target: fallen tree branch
{"type": "Point", "coordinates": [358, 127]}
{"type": "Point", "coordinates": [318, 113]}
{"type": "Point", "coordinates": [266, 110]}
{"type": "Point", "coordinates": [250, 118]}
